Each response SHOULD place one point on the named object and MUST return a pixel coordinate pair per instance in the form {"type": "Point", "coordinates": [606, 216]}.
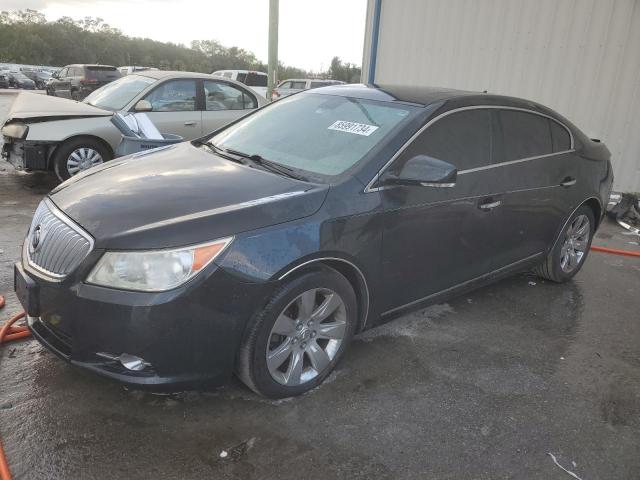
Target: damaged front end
{"type": "Point", "coordinates": [37, 124]}
{"type": "Point", "coordinates": [23, 154]}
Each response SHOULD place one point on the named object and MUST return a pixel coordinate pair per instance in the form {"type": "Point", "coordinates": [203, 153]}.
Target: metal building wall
{"type": "Point", "coordinates": [579, 57]}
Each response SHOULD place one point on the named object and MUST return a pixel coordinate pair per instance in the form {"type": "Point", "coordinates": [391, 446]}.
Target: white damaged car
{"type": "Point", "coordinates": [67, 137]}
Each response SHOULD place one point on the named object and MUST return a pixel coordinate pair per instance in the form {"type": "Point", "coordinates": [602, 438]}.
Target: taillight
{"type": "Point", "coordinates": [275, 95]}
{"type": "Point", "coordinates": [89, 81]}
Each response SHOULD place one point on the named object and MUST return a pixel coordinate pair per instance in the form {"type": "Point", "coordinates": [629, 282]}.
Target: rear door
{"type": "Point", "coordinates": [224, 103]}
{"type": "Point", "coordinates": [175, 108]}
{"type": "Point", "coordinates": [438, 238]}
{"type": "Point", "coordinates": [532, 167]}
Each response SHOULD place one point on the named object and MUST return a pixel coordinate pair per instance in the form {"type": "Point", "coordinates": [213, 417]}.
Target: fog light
{"type": "Point", "coordinates": [131, 362]}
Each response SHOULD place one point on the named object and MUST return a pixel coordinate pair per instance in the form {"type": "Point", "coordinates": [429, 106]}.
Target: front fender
{"type": "Point", "coordinates": [60, 130]}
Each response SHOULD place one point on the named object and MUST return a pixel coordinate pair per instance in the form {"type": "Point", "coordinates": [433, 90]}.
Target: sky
{"type": "Point", "coordinates": [311, 32]}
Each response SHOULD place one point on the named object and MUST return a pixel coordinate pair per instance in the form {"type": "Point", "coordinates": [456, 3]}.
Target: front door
{"type": "Point", "coordinates": [438, 238]}
{"type": "Point", "coordinates": [175, 108]}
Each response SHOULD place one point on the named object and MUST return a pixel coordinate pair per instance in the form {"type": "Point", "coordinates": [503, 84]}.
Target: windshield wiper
{"type": "Point", "coordinates": [267, 164]}
{"type": "Point", "coordinates": [221, 151]}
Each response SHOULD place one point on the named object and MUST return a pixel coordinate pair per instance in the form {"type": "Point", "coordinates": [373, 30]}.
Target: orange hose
{"type": "Point", "coordinates": [10, 333]}
{"type": "Point", "coordinates": [615, 251]}
{"type": "Point", "coordinates": [5, 474]}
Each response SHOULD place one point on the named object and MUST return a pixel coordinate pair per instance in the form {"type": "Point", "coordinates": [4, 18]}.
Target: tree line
{"type": "Point", "coordinates": [26, 37]}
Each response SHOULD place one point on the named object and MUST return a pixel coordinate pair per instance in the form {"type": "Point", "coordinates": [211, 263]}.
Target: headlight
{"type": "Point", "coordinates": [15, 130]}
{"type": "Point", "coordinates": [154, 270]}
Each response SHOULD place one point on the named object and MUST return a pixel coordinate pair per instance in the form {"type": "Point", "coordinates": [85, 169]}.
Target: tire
{"type": "Point", "coordinates": [302, 344]}
{"type": "Point", "coordinates": [556, 267]}
{"type": "Point", "coordinates": [61, 159]}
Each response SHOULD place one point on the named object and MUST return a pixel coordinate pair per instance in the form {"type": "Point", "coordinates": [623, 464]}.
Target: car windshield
{"type": "Point", "coordinates": [323, 135]}
{"type": "Point", "coordinates": [115, 95]}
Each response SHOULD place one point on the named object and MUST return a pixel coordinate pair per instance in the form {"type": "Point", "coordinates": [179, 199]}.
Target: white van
{"type": "Point", "coordinates": [256, 81]}
{"type": "Point", "coordinates": [295, 85]}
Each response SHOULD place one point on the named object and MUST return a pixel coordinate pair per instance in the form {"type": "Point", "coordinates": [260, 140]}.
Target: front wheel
{"type": "Point", "coordinates": [571, 249]}
{"type": "Point", "coordinates": [78, 155]}
{"type": "Point", "coordinates": [298, 338]}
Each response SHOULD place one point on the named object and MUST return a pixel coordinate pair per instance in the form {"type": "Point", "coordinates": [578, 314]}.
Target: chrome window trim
{"type": "Point", "coordinates": [56, 277]}
{"type": "Point", "coordinates": [512, 162]}
{"type": "Point", "coordinates": [364, 279]}
{"type": "Point", "coordinates": [370, 188]}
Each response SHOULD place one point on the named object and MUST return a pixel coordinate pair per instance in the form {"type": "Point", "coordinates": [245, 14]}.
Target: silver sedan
{"type": "Point", "coordinates": [67, 137]}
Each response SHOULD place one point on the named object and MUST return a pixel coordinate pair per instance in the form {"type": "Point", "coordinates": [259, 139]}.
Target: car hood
{"type": "Point", "coordinates": [36, 107]}
{"type": "Point", "coordinates": [180, 195]}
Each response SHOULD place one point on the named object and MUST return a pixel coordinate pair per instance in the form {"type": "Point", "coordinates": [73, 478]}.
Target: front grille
{"type": "Point", "coordinates": [55, 245]}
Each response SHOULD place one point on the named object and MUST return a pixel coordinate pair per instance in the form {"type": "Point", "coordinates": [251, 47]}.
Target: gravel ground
{"type": "Point", "coordinates": [483, 387]}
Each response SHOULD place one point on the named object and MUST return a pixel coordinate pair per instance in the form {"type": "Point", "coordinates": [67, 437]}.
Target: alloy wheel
{"type": "Point", "coordinates": [575, 244]}
{"type": "Point", "coordinates": [306, 337]}
{"type": "Point", "coordinates": [82, 159]}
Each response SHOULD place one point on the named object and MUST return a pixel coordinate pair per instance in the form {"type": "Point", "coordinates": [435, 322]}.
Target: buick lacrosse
{"type": "Point", "coordinates": [262, 248]}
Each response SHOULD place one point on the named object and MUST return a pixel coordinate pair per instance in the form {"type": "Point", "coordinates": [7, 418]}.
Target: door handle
{"type": "Point", "coordinates": [489, 205]}
{"type": "Point", "coordinates": [568, 182]}
{"type": "Point", "coordinates": [190, 123]}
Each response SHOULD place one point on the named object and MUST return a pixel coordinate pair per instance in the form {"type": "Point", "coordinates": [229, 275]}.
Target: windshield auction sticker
{"type": "Point", "coordinates": [353, 127]}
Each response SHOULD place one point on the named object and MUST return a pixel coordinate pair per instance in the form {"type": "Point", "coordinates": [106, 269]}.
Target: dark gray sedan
{"type": "Point", "coordinates": [265, 246]}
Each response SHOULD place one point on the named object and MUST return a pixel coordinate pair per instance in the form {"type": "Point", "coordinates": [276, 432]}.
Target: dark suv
{"type": "Point", "coordinates": [78, 81]}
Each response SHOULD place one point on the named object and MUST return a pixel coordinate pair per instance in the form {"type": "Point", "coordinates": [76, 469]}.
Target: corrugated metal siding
{"type": "Point", "coordinates": [579, 57]}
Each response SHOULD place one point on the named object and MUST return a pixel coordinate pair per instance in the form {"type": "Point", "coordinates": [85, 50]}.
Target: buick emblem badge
{"type": "Point", "coordinates": [35, 238]}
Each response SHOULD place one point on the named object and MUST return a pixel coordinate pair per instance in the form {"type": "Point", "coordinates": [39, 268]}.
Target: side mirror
{"type": "Point", "coordinates": [424, 171]}
{"type": "Point", "coordinates": [143, 106]}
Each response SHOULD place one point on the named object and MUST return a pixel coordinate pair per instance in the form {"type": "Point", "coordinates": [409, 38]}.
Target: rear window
{"type": "Point", "coordinates": [242, 78]}
{"type": "Point", "coordinates": [103, 73]}
{"type": "Point", "coordinates": [524, 135]}
{"type": "Point", "coordinates": [560, 137]}
{"type": "Point", "coordinates": [255, 80]}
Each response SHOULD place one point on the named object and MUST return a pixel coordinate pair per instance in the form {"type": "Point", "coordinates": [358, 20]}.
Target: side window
{"type": "Point", "coordinates": [298, 85]}
{"type": "Point", "coordinates": [524, 135]}
{"type": "Point", "coordinates": [318, 84]}
{"type": "Point", "coordinates": [63, 73]}
{"type": "Point", "coordinates": [560, 137]}
{"type": "Point", "coordinates": [227, 74]}
{"type": "Point", "coordinates": [285, 85]}
{"type": "Point", "coordinates": [222, 96]}
{"type": "Point", "coordinates": [462, 139]}
{"type": "Point", "coordinates": [174, 96]}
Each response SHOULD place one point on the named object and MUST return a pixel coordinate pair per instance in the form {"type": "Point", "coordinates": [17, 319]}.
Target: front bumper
{"type": "Point", "coordinates": [26, 155]}
{"type": "Point", "coordinates": [188, 336]}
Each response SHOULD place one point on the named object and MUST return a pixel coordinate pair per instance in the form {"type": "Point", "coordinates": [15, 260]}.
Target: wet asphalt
{"type": "Point", "coordinates": [482, 387]}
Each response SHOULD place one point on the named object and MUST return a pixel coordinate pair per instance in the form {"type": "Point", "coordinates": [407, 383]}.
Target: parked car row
{"type": "Point", "coordinates": [15, 79]}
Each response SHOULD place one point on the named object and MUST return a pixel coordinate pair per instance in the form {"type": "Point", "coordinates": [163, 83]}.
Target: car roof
{"type": "Point", "coordinates": [88, 65]}
{"type": "Point", "coordinates": [240, 71]}
{"type": "Point", "coordinates": [309, 80]}
{"type": "Point", "coordinates": [161, 74]}
{"type": "Point", "coordinates": [424, 96]}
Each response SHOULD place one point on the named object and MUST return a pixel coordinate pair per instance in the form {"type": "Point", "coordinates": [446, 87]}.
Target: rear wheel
{"type": "Point", "coordinates": [571, 249]}
{"type": "Point", "coordinates": [298, 338]}
{"type": "Point", "coordinates": [78, 155]}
